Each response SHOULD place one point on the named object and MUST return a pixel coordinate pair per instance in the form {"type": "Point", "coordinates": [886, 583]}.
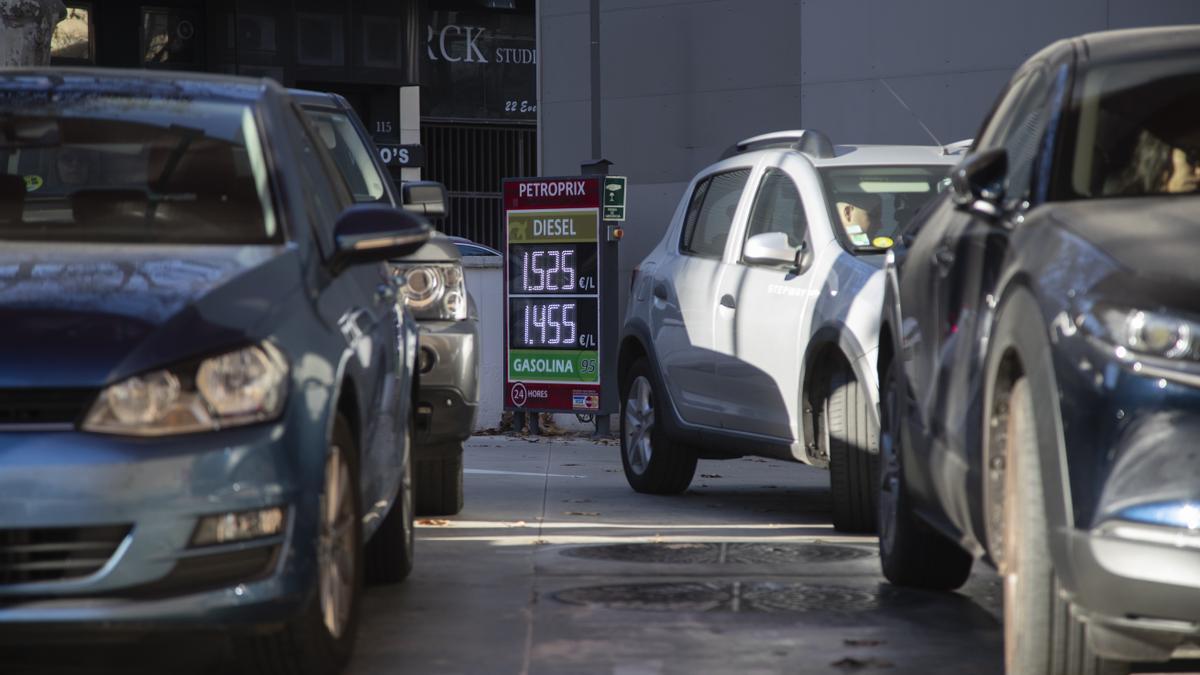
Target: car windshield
{"type": "Point", "coordinates": [1137, 132]}
{"type": "Point", "coordinates": [93, 167]}
{"type": "Point", "coordinates": [351, 154]}
{"type": "Point", "coordinates": [870, 204]}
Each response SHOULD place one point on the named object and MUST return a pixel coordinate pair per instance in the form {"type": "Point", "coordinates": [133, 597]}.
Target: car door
{"type": "Point", "coordinates": [360, 302]}
{"type": "Point", "coordinates": [685, 296]}
{"type": "Point", "coordinates": [764, 311]}
{"type": "Point", "coordinates": [966, 262]}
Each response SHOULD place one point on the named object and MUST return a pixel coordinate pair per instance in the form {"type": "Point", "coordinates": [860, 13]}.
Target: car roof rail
{"type": "Point", "coordinates": [809, 141]}
{"type": "Point", "coordinates": [958, 146]}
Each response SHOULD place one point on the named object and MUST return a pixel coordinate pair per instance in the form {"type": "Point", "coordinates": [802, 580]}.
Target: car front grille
{"type": "Point", "coordinates": [56, 553]}
{"type": "Point", "coordinates": [24, 407]}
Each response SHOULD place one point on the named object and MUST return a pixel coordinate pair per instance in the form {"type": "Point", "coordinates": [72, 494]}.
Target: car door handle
{"type": "Point", "coordinates": [660, 291]}
{"type": "Point", "coordinates": [727, 301]}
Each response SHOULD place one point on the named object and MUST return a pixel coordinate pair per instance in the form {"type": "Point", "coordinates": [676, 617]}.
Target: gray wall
{"type": "Point", "coordinates": [683, 80]}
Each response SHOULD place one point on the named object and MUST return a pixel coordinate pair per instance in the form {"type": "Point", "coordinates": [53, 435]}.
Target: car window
{"type": "Point", "coordinates": [1135, 131]}
{"type": "Point", "coordinates": [320, 193]}
{"type": "Point", "coordinates": [93, 166]}
{"type": "Point", "coordinates": [349, 152]}
{"type": "Point", "coordinates": [778, 208]}
{"type": "Point", "coordinates": [710, 213]}
{"type": "Point", "coordinates": [870, 205]}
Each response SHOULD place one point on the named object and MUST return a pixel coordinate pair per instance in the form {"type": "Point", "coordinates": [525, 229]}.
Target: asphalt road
{"type": "Point", "coordinates": [556, 566]}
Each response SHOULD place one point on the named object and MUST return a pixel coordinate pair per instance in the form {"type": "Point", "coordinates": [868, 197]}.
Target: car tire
{"type": "Point", "coordinates": [389, 553]}
{"type": "Point", "coordinates": [852, 444]}
{"type": "Point", "coordinates": [1041, 634]}
{"type": "Point", "coordinates": [320, 639]}
{"type": "Point", "coordinates": [911, 553]}
{"type": "Point", "coordinates": [439, 485]}
{"type": "Point", "coordinates": [653, 463]}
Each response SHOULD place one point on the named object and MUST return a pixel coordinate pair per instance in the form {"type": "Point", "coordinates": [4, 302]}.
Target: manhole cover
{"type": "Point", "coordinates": [689, 597]}
{"type": "Point", "coordinates": [763, 554]}
{"type": "Point", "coordinates": [784, 597]}
{"type": "Point", "coordinates": [735, 596]}
{"type": "Point", "coordinates": [721, 553]}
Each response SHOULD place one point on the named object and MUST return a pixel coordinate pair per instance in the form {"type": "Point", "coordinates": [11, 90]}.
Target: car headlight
{"type": "Point", "coordinates": [432, 290]}
{"type": "Point", "coordinates": [1149, 333]}
{"type": "Point", "coordinates": [241, 387]}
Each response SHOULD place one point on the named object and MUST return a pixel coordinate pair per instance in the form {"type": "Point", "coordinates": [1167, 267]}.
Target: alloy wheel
{"type": "Point", "coordinates": [335, 545]}
{"type": "Point", "coordinates": [639, 423]}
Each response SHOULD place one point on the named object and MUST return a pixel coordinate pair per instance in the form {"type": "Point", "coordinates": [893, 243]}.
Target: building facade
{"type": "Point", "coordinates": [682, 80]}
{"type": "Point", "coordinates": [450, 81]}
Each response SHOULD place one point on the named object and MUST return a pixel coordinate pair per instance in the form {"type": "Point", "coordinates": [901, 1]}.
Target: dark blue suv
{"type": "Point", "coordinates": [205, 375]}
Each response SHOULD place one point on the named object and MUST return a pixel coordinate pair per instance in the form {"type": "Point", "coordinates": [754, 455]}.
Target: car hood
{"type": "Point", "coordinates": [1154, 238]}
{"type": "Point", "coordinates": [80, 315]}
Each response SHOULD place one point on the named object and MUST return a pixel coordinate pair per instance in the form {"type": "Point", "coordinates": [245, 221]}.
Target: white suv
{"type": "Point", "coordinates": [752, 327]}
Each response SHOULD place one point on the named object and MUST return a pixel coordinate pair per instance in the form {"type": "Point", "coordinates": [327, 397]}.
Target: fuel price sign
{"type": "Point", "coordinates": [552, 294]}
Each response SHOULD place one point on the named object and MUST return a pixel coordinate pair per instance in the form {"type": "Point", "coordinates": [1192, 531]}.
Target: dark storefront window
{"type": "Point", "coordinates": [479, 108]}
{"type": "Point", "coordinates": [319, 39]}
{"type": "Point", "coordinates": [171, 38]}
{"type": "Point", "coordinates": [72, 39]}
{"type": "Point", "coordinates": [480, 65]}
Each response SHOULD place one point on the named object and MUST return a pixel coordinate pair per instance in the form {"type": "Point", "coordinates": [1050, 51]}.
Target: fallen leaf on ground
{"type": "Point", "coordinates": [581, 513]}
{"type": "Point", "coordinates": [863, 643]}
{"type": "Point", "coordinates": [850, 663]}
{"type": "Point", "coordinates": [710, 475]}
{"type": "Point", "coordinates": [433, 522]}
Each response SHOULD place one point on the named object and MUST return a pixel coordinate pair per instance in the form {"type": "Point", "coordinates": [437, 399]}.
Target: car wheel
{"type": "Point", "coordinates": [653, 463]}
{"type": "Point", "coordinates": [439, 484]}
{"type": "Point", "coordinates": [389, 554]}
{"type": "Point", "coordinates": [910, 552]}
{"type": "Point", "coordinates": [852, 444]}
{"type": "Point", "coordinates": [1041, 634]}
{"type": "Point", "coordinates": [320, 639]}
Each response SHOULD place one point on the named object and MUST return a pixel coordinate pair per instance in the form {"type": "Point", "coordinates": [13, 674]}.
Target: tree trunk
{"type": "Point", "coordinates": [26, 27]}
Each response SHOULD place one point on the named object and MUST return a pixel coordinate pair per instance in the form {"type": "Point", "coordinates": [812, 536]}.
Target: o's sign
{"type": "Point", "coordinates": [404, 156]}
{"type": "Point", "coordinates": [552, 294]}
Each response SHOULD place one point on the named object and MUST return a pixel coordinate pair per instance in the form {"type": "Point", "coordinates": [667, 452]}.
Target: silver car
{"type": "Point", "coordinates": [752, 327]}
{"type": "Point", "coordinates": [434, 290]}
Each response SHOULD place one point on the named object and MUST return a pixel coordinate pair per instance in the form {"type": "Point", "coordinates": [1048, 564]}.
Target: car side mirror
{"type": "Point", "coordinates": [979, 182]}
{"type": "Point", "coordinates": [426, 197]}
{"type": "Point", "coordinates": [773, 248]}
{"type": "Point", "coordinates": [367, 233]}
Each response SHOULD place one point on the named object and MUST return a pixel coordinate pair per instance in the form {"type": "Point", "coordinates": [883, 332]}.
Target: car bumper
{"type": "Point", "coordinates": [1131, 432]}
{"type": "Point", "coordinates": [1141, 599]}
{"type": "Point", "coordinates": [448, 398]}
{"type": "Point", "coordinates": [155, 492]}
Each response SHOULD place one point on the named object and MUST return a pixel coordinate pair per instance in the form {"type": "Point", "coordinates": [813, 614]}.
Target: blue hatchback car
{"type": "Point", "coordinates": [205, 376]}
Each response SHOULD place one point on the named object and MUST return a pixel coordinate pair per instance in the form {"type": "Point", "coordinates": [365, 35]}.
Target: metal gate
{"type": "Point", "coordinates": [471, 160]}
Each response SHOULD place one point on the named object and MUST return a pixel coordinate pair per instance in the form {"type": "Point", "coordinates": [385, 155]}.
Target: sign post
{"type": "Point", "coordinates": [555, 338]}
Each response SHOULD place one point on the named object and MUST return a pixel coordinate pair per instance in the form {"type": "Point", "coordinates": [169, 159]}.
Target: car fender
{"type": "Point", "coordinates": [1027, 338]}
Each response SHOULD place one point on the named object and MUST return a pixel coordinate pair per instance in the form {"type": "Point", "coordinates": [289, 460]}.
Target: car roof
{"type": "Point", "coordinates": [1136, 43]}
{"type": "Point", "coordinates": [150, 83]}
{"type": "Point", "coordinates": [871, 155]}
{"type": "Point", "coordinates": [308, 97]}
